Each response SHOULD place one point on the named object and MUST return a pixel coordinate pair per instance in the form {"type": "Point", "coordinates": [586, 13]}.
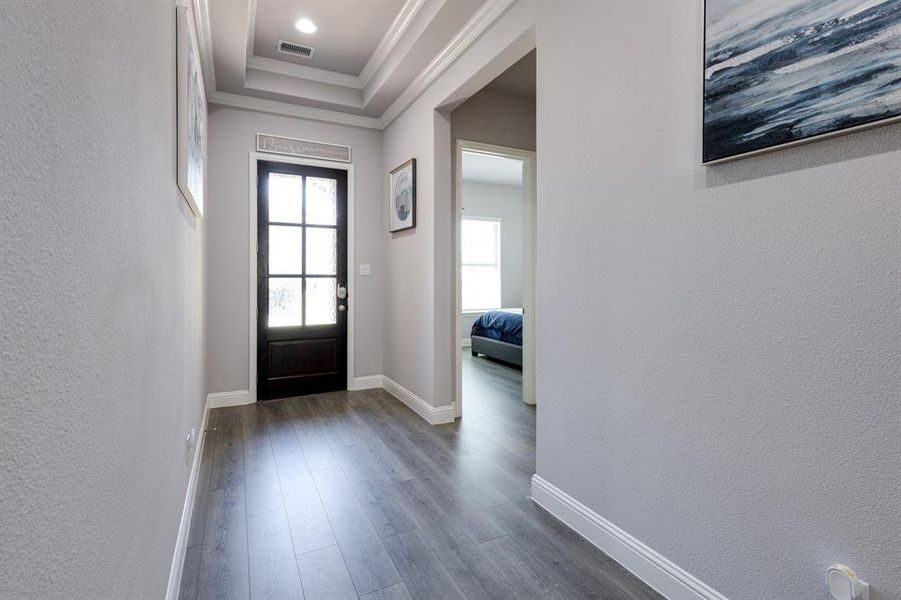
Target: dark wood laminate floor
{"type": "Point", "coordinates": [351, 495]}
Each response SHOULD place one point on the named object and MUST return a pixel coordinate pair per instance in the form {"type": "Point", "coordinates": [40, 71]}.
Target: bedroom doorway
{"type": "Point", "coordinates": [495, 230]}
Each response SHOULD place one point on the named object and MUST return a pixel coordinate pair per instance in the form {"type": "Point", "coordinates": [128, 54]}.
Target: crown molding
{"type": "Point", "coordinates": [281, 67]}
{"type": "Point", "coordinates": [292, 110]}
{"type": "Point", "coordinates": [468, 34]}
{"type": "Point", "coordinates": [404, 17]}
{"type": "Point", "coordinates": [205, 41]}
{"type": "Point", "coordinates": [250, 32]}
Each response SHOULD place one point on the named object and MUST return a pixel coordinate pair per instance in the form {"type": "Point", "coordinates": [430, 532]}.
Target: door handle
{"type": "Point", "coordinates": [342, 291]}
{"type": "Point", "coordinates": [342, 308]}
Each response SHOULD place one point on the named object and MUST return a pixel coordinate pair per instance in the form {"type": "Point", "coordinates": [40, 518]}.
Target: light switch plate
{"type": "Point", "coordinates": [365, 270]}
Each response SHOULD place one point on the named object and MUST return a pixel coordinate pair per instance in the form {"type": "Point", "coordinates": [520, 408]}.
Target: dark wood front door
{"type": "Point", "coordinates": [301, 280]}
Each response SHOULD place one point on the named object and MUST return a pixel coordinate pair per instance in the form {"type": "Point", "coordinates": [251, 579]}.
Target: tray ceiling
{"type": "Point", "coordinates": [372, 57]}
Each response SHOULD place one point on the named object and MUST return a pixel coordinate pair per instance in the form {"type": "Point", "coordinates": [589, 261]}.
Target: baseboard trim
{"type": "Point", "coordinates": [184, 526]}
{"type": "Point", "coordinates": [466, 343]}
{"type": "Point", "coordinates": [434, 415]}
{"type": "Point", "coordinates": [235, 398]}
{"type": "Point", "coordinates": [367, 382]}
{"type": "Point", "coordinates": [674, 582]}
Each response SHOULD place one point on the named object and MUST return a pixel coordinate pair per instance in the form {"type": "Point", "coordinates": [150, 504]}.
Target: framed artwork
{"type": "Point", "coordinates": [792, 71]}
{"type": "Point", "coordinates": [402, 197]}
{"type": "Point", "coordinates": [191, 112]}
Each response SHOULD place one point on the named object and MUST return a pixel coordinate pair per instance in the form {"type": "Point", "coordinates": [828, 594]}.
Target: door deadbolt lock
{"type": "Point", "coordinates": [342, 292]}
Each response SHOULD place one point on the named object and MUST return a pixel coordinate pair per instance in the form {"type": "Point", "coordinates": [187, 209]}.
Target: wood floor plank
{"type": "Point", "coordinates": [514, 564]}
{"type": "Point", "coordinates": [453, 501]}
{"type": "Point", "coordinates": [204, 488]}
{"type": "Point", "coordinates": [280, 426]}
{"type": "Point", "coordinates": [307, 519]}
{"type": "Point", "coordinates": [253, 421]}
{"type": "Point", "coordinates": [367, 561]}
{"type": "Point", "coordinates": [425, 576]}
{"type": "Point", "coordinates": [582, 551]}
{"type": "Point", "coordinates": [261, 477]}
{"type": "Point", "coordinates": [324, 575]}
{"type": "Point", "coordinates": [398, 591]}
{"type": "Point", "coordinates": [310, 436]}
{"type": "Point", "coordinates": [484, 492]}
{"type": "Point", "coordinates": [473, 574]}
{"type": "Point", "coordinates": [273, 570]}
{"type": "Point", "coordinates": [559, 563]}
{"type": "Point", "coordinates": [228, 460]}
{"type": "Point", "coordinates": [379, 455]}
{"type": "Point", "coordinates": [190, 574]}
{"type": "Point", "coordinates": [326, 409]}
{"type": "Point", "coordinates": [365, 407]}
{"type": "Point", "coordinates": [381, 505]}
{"type": "Point", "coordinates": [223, 567]}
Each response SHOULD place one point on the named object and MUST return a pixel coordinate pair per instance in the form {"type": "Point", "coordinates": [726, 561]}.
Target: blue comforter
{"type": "Point", "coordinates": [504, 325]}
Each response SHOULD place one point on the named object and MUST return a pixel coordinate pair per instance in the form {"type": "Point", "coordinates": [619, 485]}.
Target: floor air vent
{"type": "Point", "coordinates": [295, 49]}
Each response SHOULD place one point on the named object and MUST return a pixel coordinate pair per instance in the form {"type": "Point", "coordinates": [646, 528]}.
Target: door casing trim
{"type": "Point", "coordinates": [530, 263]}
{"type": "Point", "coordinates": [255, 157]}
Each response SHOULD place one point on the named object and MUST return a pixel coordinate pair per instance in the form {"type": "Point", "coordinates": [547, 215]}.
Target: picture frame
{"type": "Point", "coordinates": [191, 112]}
{"type": "Point", "coordinates": [780, 74]}
{"type": "Point", "coordinates": [402, 197]}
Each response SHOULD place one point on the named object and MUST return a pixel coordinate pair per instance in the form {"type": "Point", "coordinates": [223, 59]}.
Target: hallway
{"type": "Point", "coordinates": [352, 495]}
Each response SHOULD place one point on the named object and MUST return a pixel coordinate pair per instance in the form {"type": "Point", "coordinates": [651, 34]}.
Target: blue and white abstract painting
{"type": "Point", "coordinates": [782, 71]}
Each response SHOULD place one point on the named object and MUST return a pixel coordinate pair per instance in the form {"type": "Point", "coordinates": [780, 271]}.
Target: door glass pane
{"type": "Point", "coordinates": [321, 301]}
{"type": "Point", "coordinates": [285, 198]}
{"type": "Point", "coordinates": [322, 201]}
{"type": "Point", "coordinates": [285, 250]}
{"type": "Point", "coordinates": [285, 301]}
{"type": "Point", "coordinates": [322, 247]}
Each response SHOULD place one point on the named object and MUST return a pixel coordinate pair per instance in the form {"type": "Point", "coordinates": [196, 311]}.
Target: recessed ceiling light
{"type": "Point", "coordinates": [306, 26]}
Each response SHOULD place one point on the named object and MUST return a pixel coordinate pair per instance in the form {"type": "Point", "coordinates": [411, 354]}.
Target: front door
{"type": "Point", "coordinates": [301, 280]}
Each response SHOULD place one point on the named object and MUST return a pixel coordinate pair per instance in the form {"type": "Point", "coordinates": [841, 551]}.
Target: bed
{"type": "Point", "coordinates": [498, 334]}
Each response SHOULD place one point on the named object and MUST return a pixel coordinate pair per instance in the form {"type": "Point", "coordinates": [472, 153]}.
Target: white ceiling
{"type": "Point", "coordinates": [486, 168]}
{"type": "Point", "coordinates": [372, 57]}
{"type": "Point", "coordinates": [349, 31]}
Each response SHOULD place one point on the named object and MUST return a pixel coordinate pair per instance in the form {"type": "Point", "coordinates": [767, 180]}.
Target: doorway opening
{"type": "Point", "coordinates": [495, 225]}
{"type": "Point", "coordinates": [494, 231]}
{"type": "Point", "coordinates": [495, 266]}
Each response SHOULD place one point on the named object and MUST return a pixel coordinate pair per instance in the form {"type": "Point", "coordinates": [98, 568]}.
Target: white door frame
{"type": "Point", "coordinates": [252, 257]}
{"type": "Point", "coordinates": [530, 264]}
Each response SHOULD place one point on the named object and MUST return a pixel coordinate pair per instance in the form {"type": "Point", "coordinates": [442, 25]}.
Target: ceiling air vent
{"type": "Point", "coordinates": [295, 49]}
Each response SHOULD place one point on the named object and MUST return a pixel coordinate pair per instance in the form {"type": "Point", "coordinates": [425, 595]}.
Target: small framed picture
{"type": "Point", "coordinates": [402, 197]}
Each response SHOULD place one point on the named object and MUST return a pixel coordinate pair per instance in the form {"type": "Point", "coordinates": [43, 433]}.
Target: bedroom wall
{"type": "Point", "coordinates": [495, 117]}
{"type": "Point", "coordinates": [102, 302]}
{"type": "Point", "coordinates": [737, 369]}
{"type": "Point", "coordinates": [232, 138]}
{"type": "Point", "coordinates": [504, 202]}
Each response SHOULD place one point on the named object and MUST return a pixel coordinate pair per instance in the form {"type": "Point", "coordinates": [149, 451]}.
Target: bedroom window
{"type": "Point", "coordinates": [481, 254]}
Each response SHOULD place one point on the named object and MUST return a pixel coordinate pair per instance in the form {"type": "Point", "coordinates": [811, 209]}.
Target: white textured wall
{"type": "Point", "coordinates": [101, 302]}
{"type": "Point", "coordinates": [734, 380]}
{"type": "Point", "coordinates": [409, 258]}
{"type": "Point", "coordinates": [232, 138]}
{"type": "Point", "coordinates": [737, 370]}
